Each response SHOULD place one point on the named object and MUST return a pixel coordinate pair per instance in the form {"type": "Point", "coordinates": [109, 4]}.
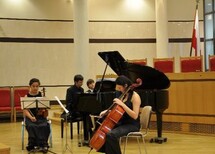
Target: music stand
{"type": "Point", "coordinates": [34, 102]}
{"type": "Point", "coordinates": [67, 113]}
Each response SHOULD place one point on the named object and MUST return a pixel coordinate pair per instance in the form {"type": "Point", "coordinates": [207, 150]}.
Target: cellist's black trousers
{"type": "Point", "coordinates": [112, 138]}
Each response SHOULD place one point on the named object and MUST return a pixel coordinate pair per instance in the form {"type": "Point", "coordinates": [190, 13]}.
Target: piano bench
{"type": "Point", "coordinates": [71, 121]}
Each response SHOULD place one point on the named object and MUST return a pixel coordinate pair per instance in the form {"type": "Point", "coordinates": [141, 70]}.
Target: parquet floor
{"type": "Point", "coordinates": [10, 134]}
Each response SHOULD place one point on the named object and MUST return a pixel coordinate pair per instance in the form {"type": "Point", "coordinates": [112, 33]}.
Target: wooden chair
{"type": "Point", "coordinates": [211, 60]}
{"type": "Point", "coordinates": [191, 64]}
{"type": "Point", "coordinates": [5, 102]}
{"type": "Point", "coordinates": [165, 65]}
{"type": "Point", "coordinates": [138, 61]}
{"type": "Point", "coordinates": [18, 92]}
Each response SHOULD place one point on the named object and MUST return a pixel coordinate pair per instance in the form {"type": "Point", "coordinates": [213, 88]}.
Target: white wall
{"type": "Point", "coordinates": [109, 19]}
{"type": "Point", "coordinates": [37, 9]}
{"type": "Point", "coordinates": [132, 10]}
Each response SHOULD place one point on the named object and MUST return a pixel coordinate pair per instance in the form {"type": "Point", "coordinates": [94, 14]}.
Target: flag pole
{"type": "Point", "coordinates": [197, 2]}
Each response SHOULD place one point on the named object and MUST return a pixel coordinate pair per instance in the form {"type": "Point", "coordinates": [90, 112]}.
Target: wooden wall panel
{"type": "Point", "coordinates": [191, 98]}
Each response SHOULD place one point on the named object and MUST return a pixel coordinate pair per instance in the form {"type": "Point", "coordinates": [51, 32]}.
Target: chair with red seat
{"type": "Point", "coordinates": [191, 64]}
{"type": "Point", "coordinates": [142, 62]}
{"type": "Point", "coordinates": [5, 102]}
{"type": "Point", "coordinates": [18, 92]}
{"type": "Point", "coordinates": [211, 60]}
{"type": "Point", "coordinates": [165, 65]}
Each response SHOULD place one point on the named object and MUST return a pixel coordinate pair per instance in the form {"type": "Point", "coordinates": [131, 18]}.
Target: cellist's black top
{"type": "Point", "coordinates": [126, 119]}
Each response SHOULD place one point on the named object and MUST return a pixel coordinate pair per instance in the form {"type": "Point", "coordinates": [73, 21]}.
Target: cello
{"type": "Point", "coordinates": [112, 116]}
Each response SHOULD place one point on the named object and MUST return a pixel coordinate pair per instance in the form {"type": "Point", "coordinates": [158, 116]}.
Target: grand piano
{"type": "Point", "coordinates": [153, 90]}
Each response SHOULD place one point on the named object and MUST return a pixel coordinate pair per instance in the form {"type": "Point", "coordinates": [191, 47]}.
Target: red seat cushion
{"type": "Point", "coordinates": [164, 66]}
{"type": "Point", "coordinates": [19, 92]}
{"type": "Point", "coordinates": [212, 64]}
{"type": "Point", "coordinates": [143, 63]}
{"type": "Point", "coordinates": [5, 100]}
{"type": "Point", "coordinates": [191, 65]}
{"type": "Point", "coordinates": [18, 108]}
{"type": "Point", "coordinates": [5, 108]}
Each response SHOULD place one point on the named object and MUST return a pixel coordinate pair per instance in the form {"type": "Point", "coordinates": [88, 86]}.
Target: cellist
{"type": "Point", "coordinates": [129, 122]}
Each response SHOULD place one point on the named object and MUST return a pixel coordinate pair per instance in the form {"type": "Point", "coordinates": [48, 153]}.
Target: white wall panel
{"type": "Point", "coordinates": [51, 63]}
{"type": "Point", "coordinates": [132, 10]}
{"type": "Point", "coordinates": [183, 9]}
{"type": "Point", "coordinates": [37, 9]}
{"type": "Point", "coordinates": [35, 29]}
{"type": "Point", "coordinates": [183, 29]}
{"type": "Point", "coordinates": [122, 30]}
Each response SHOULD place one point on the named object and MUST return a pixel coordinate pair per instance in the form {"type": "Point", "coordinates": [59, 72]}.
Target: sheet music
{"type": "Point", "coordinates": [61, 104]}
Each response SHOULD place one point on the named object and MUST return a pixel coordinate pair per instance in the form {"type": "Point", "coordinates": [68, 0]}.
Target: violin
{"type": "Point", "coordinates": [43, 92]}
{"type": "Point", "coordinates": [113, 115]}
{"type": "Point", "coordinates": [42, 111]}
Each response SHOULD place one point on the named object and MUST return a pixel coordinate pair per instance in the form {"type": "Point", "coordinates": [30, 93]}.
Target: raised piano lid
{"type": "Point", "coordinates": [151, 78]}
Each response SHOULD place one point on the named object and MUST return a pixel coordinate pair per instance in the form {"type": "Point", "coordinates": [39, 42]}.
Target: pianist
{"type": "Point", "coordinates": [71, 97]}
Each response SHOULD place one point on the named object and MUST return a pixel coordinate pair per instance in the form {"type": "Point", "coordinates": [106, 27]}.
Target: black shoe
{"type": "Point", "coordinates": [64, 116]}
{"type": "Point", "coordinates": [45, 149]}
{"type": "Point", "coordinates": [30, 147]}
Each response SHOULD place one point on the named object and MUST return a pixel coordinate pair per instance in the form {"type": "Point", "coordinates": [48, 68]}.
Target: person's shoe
{"type": "Point", "coordinates": [30, 147]}
{"type": "Point", "coordinates": [63, 115]}
{"type": "Point", "coordinates": [45, 149]}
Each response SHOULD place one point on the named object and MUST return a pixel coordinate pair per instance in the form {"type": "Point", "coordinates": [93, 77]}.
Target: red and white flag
{"type": "Point", "coordinates": [195, 45]}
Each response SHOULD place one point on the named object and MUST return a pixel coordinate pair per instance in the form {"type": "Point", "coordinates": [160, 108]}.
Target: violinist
{"type": "Point", "coordinates": [36, 121]}
{"type": "Point", "coordinates": [129, 122]}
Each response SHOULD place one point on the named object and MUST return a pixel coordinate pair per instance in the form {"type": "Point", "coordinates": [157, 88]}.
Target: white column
{"type": "Point", "coordinates": [161, 29]}
{"type": "Point", "coordinates": [81, 38]}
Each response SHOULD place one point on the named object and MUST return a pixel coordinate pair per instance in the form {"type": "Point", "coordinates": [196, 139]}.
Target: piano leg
{"type": "Point", "coordinates": [159, 139]}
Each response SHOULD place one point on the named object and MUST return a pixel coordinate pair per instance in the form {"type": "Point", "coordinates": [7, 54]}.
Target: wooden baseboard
{"type": "Point", "coordinates": [192, 128]}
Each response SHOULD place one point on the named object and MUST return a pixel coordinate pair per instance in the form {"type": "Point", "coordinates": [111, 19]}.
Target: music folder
{"type": "Point", "coordinates": [34, 102]}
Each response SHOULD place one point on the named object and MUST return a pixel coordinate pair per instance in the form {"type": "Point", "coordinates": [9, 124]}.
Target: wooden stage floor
{"type": "Point", "coordinates": [10, 134]}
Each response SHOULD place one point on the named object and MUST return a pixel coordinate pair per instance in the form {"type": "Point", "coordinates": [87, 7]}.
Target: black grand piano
{"type": "Point", "coordinates": [152, 91]}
